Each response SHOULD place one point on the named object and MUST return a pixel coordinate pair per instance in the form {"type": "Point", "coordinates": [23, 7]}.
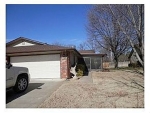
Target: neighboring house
{"type": "Point", "coordinates": [47, 61]}
{"type": "Point", "coordinates": [123, 58]}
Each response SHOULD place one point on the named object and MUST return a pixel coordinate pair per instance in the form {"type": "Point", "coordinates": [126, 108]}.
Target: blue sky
{"type": "Point", "coordinates": [47, 23]}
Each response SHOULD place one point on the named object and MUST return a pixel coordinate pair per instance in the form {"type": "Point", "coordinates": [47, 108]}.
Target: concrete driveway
{"type": "Point", "coordinates": [37, 91]}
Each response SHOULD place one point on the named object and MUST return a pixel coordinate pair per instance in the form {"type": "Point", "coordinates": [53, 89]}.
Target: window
{"type": "Point", "coordinates": [93, 62]}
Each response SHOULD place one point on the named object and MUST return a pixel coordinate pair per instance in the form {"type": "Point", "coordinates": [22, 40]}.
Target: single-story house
{"type": "Point", "coordinates": [48, 61]}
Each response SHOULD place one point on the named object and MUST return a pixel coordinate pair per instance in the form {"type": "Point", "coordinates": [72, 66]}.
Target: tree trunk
{"type": "Point", "coordinates": [116, 62]}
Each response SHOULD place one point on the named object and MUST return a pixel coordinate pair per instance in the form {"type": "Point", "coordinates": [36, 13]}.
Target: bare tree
{"type": "Point", "coordinates": [89, 44]}
{"type": "Point", "coordinates": [133, 16]}
{"type": "Point", "coordinates": [84, 46]}
{"type": "Point", "coordinates": [58, 44]}
{"type": "Point", "coordinates": [64, 45]}
{"type": "Point", "coordinates": [105, 32]}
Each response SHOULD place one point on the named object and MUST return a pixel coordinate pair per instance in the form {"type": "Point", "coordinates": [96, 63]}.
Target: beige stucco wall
{"type": "Point", "coordinates": [24, 44]}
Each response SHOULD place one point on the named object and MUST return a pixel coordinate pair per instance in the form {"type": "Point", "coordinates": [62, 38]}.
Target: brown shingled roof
{"type": "Point", "coordinates": [24, 39]}
{"type": "Point", "coordinates": [35, 48]}
{"type": "Point", "coordinates": [86, 51]}
{"type": "Point", "coordinates": [38, 47]}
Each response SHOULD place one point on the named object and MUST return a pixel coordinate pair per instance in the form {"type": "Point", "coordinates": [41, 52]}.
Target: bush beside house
{"type": "Point", "coordinates": [80, 69]}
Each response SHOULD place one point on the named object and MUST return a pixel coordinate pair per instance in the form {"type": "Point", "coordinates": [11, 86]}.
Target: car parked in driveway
{"type": "Point", "coordinates": [17, 78]}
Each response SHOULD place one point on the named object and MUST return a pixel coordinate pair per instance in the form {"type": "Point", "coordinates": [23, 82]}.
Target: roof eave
{"type": "Point", "coordinates": [102, 55]}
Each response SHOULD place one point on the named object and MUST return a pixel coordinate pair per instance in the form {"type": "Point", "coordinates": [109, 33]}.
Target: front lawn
{"type": "Point", "coordinates": [114, 89]}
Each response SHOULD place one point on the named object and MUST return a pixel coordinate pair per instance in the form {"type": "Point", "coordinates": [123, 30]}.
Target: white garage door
{"type": "Point", "coordinates": [40, 66]}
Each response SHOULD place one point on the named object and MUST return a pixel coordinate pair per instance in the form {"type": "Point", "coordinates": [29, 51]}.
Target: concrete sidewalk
{"type": "Point", "coordinates": [86, 79]}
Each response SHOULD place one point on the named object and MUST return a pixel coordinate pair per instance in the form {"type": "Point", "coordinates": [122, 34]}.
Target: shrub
{"type": "Point", "coordinates": [80, 66]}
{"type": "Point", "coordinates": [79, 72]}
{"type": "Point", "coordinates": [134, 65]}
{"type": "Point", "coordinates": [80, 69]}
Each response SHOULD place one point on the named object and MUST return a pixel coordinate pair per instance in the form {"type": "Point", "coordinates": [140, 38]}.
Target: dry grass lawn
{"type": "Point", "coordinates": [115, 89]}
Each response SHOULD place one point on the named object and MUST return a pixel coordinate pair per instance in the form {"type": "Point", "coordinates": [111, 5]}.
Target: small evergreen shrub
{"type": "Point", "coordinates": [80, 69]}
{"type": "Point", "coordinates": [79, 72]}
{"type": "Point", "coordinates": [80, 66]}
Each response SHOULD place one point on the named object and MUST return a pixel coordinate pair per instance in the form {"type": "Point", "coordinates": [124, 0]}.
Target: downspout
{"type": "Point", "coordinates": [68, 64]}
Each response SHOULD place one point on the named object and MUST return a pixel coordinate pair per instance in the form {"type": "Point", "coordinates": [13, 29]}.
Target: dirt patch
{"type": "Point", "coordinates": [118, 89]}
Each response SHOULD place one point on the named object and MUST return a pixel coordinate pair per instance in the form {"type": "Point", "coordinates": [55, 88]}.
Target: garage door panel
{"type": "Point", "coordinates": [41, 66]}
{"type": "Point", "coordinates": [39, 58]}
